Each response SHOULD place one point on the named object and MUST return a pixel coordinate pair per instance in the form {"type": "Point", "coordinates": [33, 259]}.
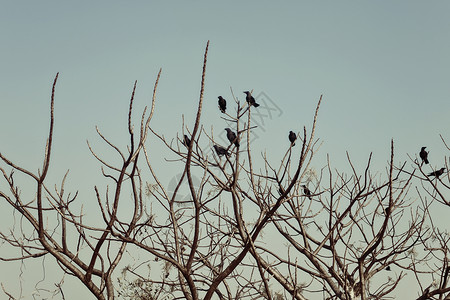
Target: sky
{"type": "Point", "coordinates": [382, 67]}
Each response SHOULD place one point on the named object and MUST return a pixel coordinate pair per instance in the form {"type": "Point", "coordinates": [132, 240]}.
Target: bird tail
{"type": "Point", "coordinates": [426, 161]}
{"type": "Point", "coordinates": [255, 104]}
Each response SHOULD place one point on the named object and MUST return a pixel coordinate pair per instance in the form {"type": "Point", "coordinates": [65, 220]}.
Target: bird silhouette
{"type": "Point", "coordinates": [250, 100]}
{"type": "Point", "coordinates": [221, 151]}
{"type": "Point", "coordinates": [232, 137]}
{"type": "Point", "coordinates": [187, 141]}
{"type": "Point", "coordinates": [292, 137]}
{"type": "Point", "coordinates": [222, 104]}
{"type": "Point", "coordinates": [306, 191]}
{"type": "Point", "coordinates": [423, 155]}
{"type": "Point", "coordinates": [437, 173]}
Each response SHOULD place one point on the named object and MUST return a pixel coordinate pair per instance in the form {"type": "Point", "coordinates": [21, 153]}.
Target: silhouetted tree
{"type": "Point", "coordinates": [248, 229]}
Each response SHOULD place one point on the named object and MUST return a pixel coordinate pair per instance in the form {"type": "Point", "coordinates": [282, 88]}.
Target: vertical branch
{"type": "Point", "coordinates": [50, 135]}
{"type": "Point", "coordinates": [46, 165]}
{"type": "Point", "coordinates": [130, 128]}
{"type": "Point", "coordinates": [117, 193]}
{"type": "Point", "coordinates": [191, 184]}
{"type": "Point", "coordinates": [250, 162]}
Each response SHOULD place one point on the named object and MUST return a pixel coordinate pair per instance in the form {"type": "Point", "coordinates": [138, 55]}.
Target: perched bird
{"type": "Point", "coordinates": [232, 137]}
{"type": "Point", "coordinates": [292, 137]}
{"type": "Point", "coordinates": [220, 150]}
{"type": "Point", "coordinates": [437, 173]}
{"type": "Point", "coordinates": [306, 192]}
{"type": "Point", "coordinates": [222, 104]}
{"type": "Point", "coordinates": [250, 100]}
{"type": "Point", "coordinates": [187, 141]}
{"type": "Point", "coordinates": [423, 155]}
{"type": "Point", "coordinates": [388, 268]}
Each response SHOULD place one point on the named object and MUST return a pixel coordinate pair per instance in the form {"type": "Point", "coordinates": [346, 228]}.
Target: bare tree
{"type": "Point", "coordinates": [433, 275]}
{"type": "Point", "coordinates": [247, 229]}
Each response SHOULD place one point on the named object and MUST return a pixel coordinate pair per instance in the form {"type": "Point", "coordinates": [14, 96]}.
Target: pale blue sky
{"type": "Point", "coordinates": [382, 67]}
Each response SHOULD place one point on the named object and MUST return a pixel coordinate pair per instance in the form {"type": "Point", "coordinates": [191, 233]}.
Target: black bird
{"type": "Point", "coordinates": [388, 268]}
{"type": "Point", "coordinates": [306, 192]}
{"type": "Point", "coordinates": [250, 100]}
{"type": "Point", "coordinates": [437, 173]}
{"type": "Point", "coordinates": [423, 155]}
{"type": "Point", "coordinates": [292, 137]}
{"type": "Point", "coordinates": [187, 141]}
{"type": "Point", "coordinates": [220, 150]}
{"type": "Point", "coordinates": [232, 137]}
{"type": "Point", "coordinates": [222, 104]}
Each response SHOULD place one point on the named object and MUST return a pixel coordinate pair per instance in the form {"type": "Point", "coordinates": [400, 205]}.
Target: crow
{"type": "Point", "coordinates": [250, 100]}
{"type": "Point", "coordinates": [221, 150]}
{"type": "Point", "coordinates": [437, 173]}
{"type": "Point", "coordinates": [292, 138]}
{"type": "Point", "coordinates": [222, 104]}
{"type": "Point", "coordinates": [388, 268]}
{"type": "Point", "coordinates": [306, 192]}
{"type": "Point", "coordinates": [232, 137]}
{"type": "Point", "coordinates": [423, 155]}
{"type": "Point", "coordinates": [187, 141]}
